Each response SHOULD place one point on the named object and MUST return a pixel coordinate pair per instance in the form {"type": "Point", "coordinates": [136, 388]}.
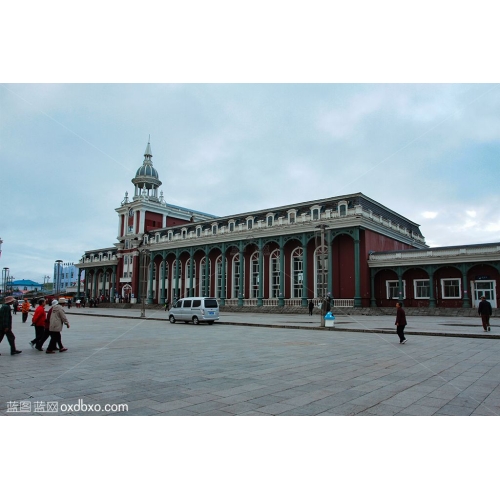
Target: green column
{"type": "Point", "coordinates": [191, 280]}
{"type": "Point", "coordinates": [103, 289]}
{"type": "Point", "coordinates": [206, 290]}
{"type": "Point", "coordinates": [241, 288]}
{"type": "Point", "coordinates": [112, 285]}
{"type": "Point", "coordinates": [79, 283]}
{"type": "Point", "coordinates": [94, 289]}
{"type": "Point", "coordinates": [373, 301]}
{"type": "Point", "coordinates": [151, 268]}
{"type": "Point", "coordinates": [432, 299]}
{"type": "Point", "coordinates": [163, 273]}
{"type": "Point", "coordinates": [177, 268]}
{"type": "Point", "coordinates": [400, 284]}
{"type": "Point", "coordinates": [304, 273]}
{"type": "Point", "coordinates": [261, 273]}
{"type": "Point", "coordinates": [281, 299]}
{"type": "Point", "coordinates": [223, 277]}
{"type": "Point", "coordinates": [329, 287]}
{"type": "Point", "coordinates": [357, 272]}
{"type": "Point", "coordinates": [86, 284]}
{"type": "Point", "coordinates": [465, 288]}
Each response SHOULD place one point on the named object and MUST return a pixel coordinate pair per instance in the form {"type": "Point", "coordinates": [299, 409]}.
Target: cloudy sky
{"type": "Point", "coordinates": [68, 151]}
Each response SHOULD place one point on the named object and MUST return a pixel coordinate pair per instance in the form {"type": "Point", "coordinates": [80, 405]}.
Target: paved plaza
{"type": "Point", "coordinates": [242, 367]}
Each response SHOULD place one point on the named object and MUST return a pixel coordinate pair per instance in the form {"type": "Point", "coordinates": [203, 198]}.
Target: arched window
{"type": "Point", "coordinates": [176, 276]}
{"type": "Point", "coordinates": [320, 271]}
{"type": "Point", "coordinates": [198, 232]}
{"type": "Point", "coordinates": [204, 279]}
{"type": "Point", "coordinates": [343, 209]}
{"type": "Point", "coordinates": [218, 277]}
{"type": "Point", "coordinates": [274, 274]}
{"type": "Point", "coordinates": [189, 281]}
{"type": "Point", "coordinates": [236, 277]}
{"type": "Point", "coordinates": [254, 263]}
{"type": "Point", "coordinates": [297, 273]}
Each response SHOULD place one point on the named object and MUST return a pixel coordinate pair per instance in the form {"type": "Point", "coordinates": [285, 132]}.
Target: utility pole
{"type": "Point", "coordinates": [323, 256]}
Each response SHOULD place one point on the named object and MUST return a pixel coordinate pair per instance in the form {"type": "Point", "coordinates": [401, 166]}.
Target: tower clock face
{"type": "Point", "coordinates": [130, 213]}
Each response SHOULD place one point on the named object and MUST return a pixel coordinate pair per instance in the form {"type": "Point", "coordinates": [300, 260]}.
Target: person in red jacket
{"type": "Point", "coordinates": [400, 322]}
{"type": "Point", "coordinates": [38, 322]}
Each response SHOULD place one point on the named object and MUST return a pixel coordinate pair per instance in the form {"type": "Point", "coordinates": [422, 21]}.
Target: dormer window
{"type": "Point", "coordinates": [291, 217]}
{"type": "Point", "coordinates": [342, 209]}
{"type": "Point", "coordinates": [250, 223]}
{"type": "Point", "coordinates": [198, 232]}
{"type": "Point", "coordinates": [270, 220]}
{"type": "Point", "coordinates": [157, 238]}
{"type": "Point", "coordinates": [170, 236]}
{"type": "Point", "coordinates": [214, 229]}
{"type": "Point", "coordinates": [315, 212]}
{"type": "Point", "coordinates": [231, 227]}
{"type": "Point", "coordinates": [184, 233]}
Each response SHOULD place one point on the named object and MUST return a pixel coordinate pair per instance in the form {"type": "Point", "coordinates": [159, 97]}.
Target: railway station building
{"type": "Point", "coordinates": [350, 248]}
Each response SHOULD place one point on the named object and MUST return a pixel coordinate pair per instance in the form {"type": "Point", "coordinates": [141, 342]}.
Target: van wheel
{"type": "Point", "coordinates": [210, 322]}
{"type": "Point", "coordinates": [196, 321]}
{"type": "Point", "coordinates": [171, 319]}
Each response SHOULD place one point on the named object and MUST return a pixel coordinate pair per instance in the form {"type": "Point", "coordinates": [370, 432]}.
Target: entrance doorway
{"type": "Point", "coordinates": [486, 288]}
{"type": "Point", "coordinates": [126, 293]}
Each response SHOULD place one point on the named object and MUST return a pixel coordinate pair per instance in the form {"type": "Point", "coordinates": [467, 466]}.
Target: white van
{"type": "Point", "coordinates": [195, 309]}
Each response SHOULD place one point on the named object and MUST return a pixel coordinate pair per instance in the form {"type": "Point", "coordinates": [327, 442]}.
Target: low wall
{"type": "Point", "coordinates": [351, 311]}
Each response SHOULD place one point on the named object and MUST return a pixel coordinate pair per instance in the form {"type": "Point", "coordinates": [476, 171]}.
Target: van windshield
{"type": "Point", "coordinates": [211, 303]}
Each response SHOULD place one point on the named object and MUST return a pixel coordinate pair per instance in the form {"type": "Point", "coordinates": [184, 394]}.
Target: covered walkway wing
{"type": "Point", "coordinates": [455, 276]}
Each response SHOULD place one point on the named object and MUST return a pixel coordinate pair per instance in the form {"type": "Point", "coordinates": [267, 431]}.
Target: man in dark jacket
{"type": "Point", "coordinates": [400, 322]}
{"type": "Point", "coordinates": [6, 325]}
{"type": "Point", "coordinates": [484, 310]}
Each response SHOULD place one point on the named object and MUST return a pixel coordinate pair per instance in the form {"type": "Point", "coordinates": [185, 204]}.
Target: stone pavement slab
{"type": "Point", "coordinates": [155, 368]}
{"type": "Point", "coordinates": [346, 320]}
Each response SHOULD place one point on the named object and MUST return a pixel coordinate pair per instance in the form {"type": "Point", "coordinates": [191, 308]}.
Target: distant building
{"type": "Point", "coordinates": [24, 286]}
{"type": "Point", "coordinates": [65, 276]}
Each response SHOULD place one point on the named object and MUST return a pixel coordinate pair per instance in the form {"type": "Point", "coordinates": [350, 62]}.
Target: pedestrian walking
{"type": "Point", "coordinates": [311, 307]}
{"type": "Point", "coordinates": [400, 322]}
{"type": "Point", "coordinates": [38, 322]}
{"type": "Point", "coordinates": [15, 305]}
{"type": "Point", "coordinates": [25, 309]}
{"type": "Point", "coordinates": [69, 303]}
{"type": "Point", "coordinates": [167, 305]}
{"type": "Point", "coordinates": [485, 311]}
{"type": "Point", "coordinates": [56, 322]}
{"type": "Point", "coordinates": [6, 325]}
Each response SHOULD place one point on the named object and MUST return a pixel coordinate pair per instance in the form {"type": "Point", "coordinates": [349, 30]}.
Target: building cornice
{"type": "Point", "coordinates": [441, 255]}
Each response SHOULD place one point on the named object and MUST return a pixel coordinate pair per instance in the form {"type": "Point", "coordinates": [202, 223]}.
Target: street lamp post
{"type": "Point", "coordinates": [58, 277]}
{"type": "Point", "coordinates": [143, 252]}
{"type": "Point", "coordinates": [5, 280]}
{"type": "Point", "coordinates": [45, 282]}
{"type": "Point", "coordinates": [323, 255]}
